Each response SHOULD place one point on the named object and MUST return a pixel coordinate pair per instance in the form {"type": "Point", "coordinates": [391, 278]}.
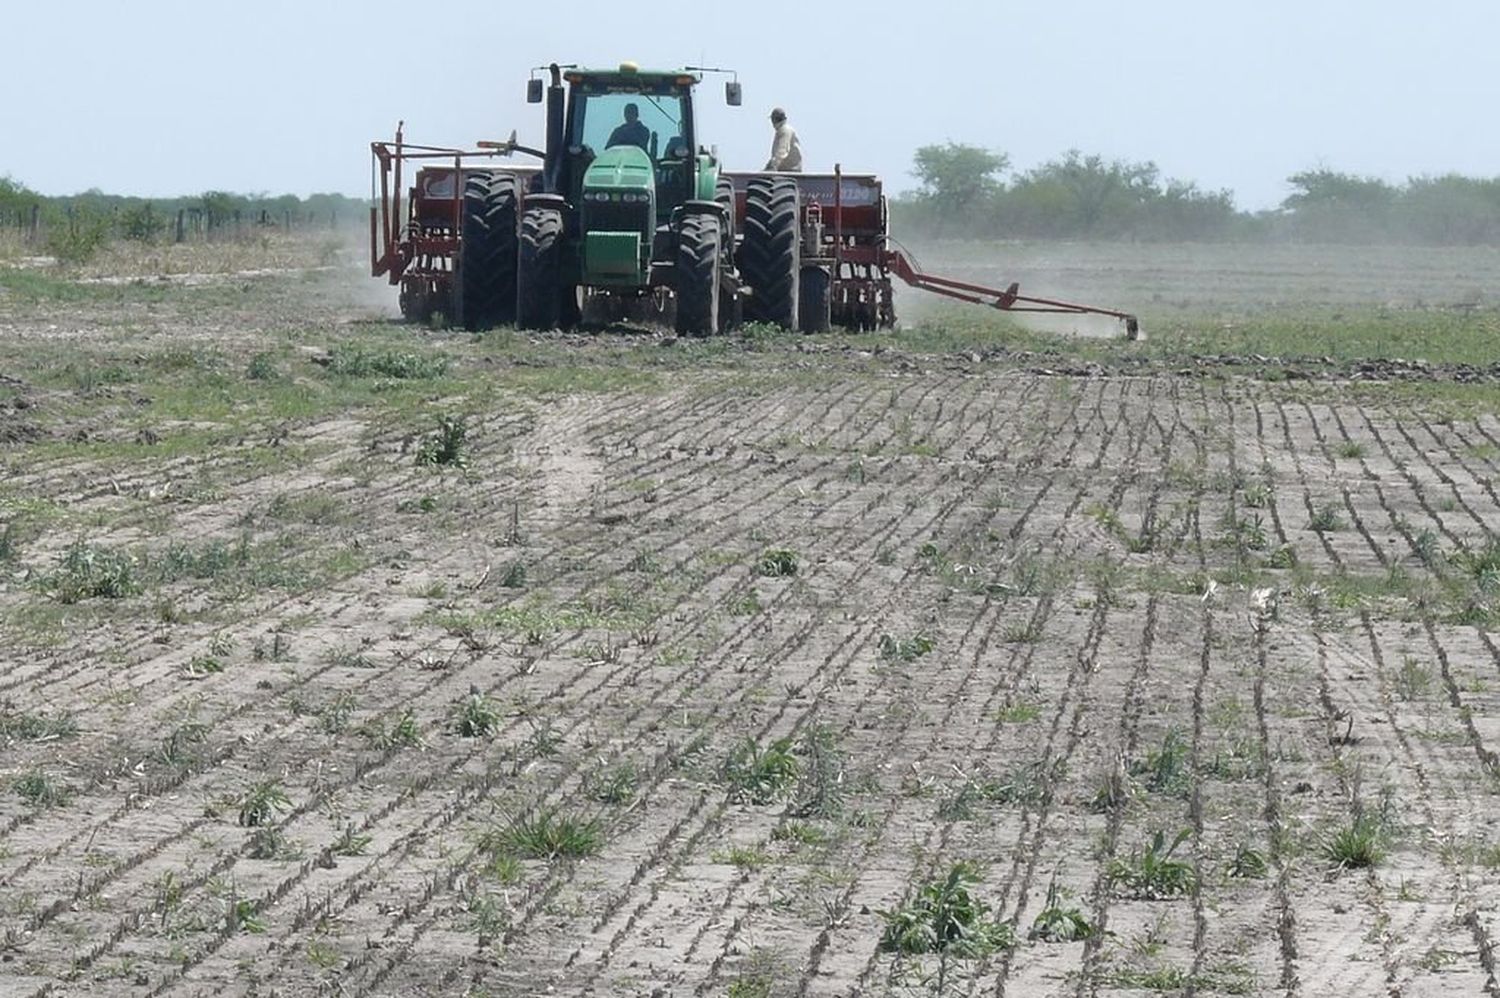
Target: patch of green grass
{"type": "Point", "coordinates": [1022, 632]}
{"type": "Point", "coordinates": [475, 716]}
{"type": "Point", "coordinates": [350, 842]}
{"type": "Point", "coordinates": [547, 835]}
{"type": "Point", "coordinates": [444, 447]}
{"type": "Point", "coordinates": [1026, 784]}
{"type": "Point", "coordinates": [1357, 845]}
{"type": "Point", "coordinates": [1247, 864]}
{"type": "Point", "coordinates": [87, 572]}
{"type": "Point", "coordinates": [1151, 872]}
{"type": "Point", "coordinates": [777, 563]}
{"type": "Point", "coordinates": [1059, 922]}
{"type": "Point", "coordinates": [39, 789]}
{"type": "Point", "coordinates": [1413, 681]}
{"type": "Point", "coordinates": [29, 726]}
{"type": "Point", "coordinates": [1480, 565]}
{"type": "Point", "coordinates": [404, 732]}
{"type": "Point", "coordinates": [742, 857]}
{"type": "Point", "coordinates": [354, 360]}
{"type": "Point", "coordinates": [1350, 449]}
{"type": "Point", "coordinates": [260, 804]}
{"type": "Point", "coordinates": [1019, 712]}
{"type": "Point", "coordinates": [1166, 769]}
{"type": "Point", "coordinates": [894, 649]}
{"type": "Point", "coordinates": [262, 367]}
{"type": "Point", "coordinates": [1326, 519]}
{"type": "Point", "coordinates": [613, 785]}
{"type": "Point", "coordinates": [821, 786]}
{"type": "Point", "coordinates": [801, 833]}
{"type": "Point", "coordinates": [760, 776]}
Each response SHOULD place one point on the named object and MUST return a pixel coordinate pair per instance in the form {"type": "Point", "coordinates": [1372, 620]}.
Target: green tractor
{"type": "Point", "coordinates": [626, 208]}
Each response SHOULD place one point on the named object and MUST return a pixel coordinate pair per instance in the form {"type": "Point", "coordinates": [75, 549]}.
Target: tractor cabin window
{"type": "Point", "coordinates": [652, 122]}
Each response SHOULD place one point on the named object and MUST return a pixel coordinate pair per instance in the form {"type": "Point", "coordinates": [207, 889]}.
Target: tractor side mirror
{"type": "Point", "coordinates": [533, 91]}
{"type": "Point", "coordinates": [733, 96]}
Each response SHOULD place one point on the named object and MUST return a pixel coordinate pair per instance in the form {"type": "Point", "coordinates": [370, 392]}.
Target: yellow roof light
{"type": "Point", "coordinates": [629, 67]}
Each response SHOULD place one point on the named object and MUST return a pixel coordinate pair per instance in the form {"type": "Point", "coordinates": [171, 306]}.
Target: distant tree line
{"type": "Point", "coordinates": [73, 226]}
{"type": "Point", "coordinates": [968, 191]}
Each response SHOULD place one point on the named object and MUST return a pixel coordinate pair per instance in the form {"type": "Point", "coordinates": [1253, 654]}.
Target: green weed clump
{"type": "Point", "coordinates": [357, 361]}
{"type": "Point", "coordinates": [445, 446]}
{"type": "Point", "coordinates": [404, 733]}
{"type": "Point", "coordinates": [546, 835]}
{"type": "Point", "coordinates": [1481, 565]}
{"type": "Point", "coordinates": [894, 649]}
{"type": "Point", "coordinates": [1167, 769]}
{"type": "Point", "coordinates": [777, 563]}
{"type": "Point", "coordinates": [760, 776]}
{"type": "Point", "coordinates": [87, 572]}
{"type": "Point", "coordinates": [1358, 845]}
{"type": "Point", "coordinates": [1326, 519]}
{"type": "Point", "coordinates": [1058, 924]}
{"type": "Point", "coordinates": [262, 802]}
{"type": "Point", "coordinates": [39, 789]}
{"type": "Point", "coordinates": [1151, 872]}
{"type": "Point", "coordinates": [25, 726]}
{"type": "Point", "coordinates": [946, 917]}
{"type": "Point", "coordinates": [475, 716]}
{"type": "Point", "coordinates": [615, 785]}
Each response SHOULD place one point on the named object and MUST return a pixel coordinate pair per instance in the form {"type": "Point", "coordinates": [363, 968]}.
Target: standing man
{"type": "Point", "coordinates": [786, 154]}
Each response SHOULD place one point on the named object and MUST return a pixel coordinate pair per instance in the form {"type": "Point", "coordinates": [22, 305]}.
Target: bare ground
{"type": "Point", "coordinates": [1036, 618]}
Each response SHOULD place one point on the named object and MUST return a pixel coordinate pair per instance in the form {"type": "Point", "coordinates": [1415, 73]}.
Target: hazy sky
{"type": "Point", "coordinates": [156, 97]}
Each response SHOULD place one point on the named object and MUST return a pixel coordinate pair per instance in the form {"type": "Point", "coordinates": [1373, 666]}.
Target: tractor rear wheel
{"type": "Point", "coordinates": [697, 270]}
{"type": "Point", "coordinates": [724, 195]}
{"type": "Point", "coordinates": [484, 288]}
{"type": "Point", "coordinates": [815, 303]}
{"type": "Point", "coordinates": [538, 270]}
{"type": "Point", "coordinates": [770, 253]}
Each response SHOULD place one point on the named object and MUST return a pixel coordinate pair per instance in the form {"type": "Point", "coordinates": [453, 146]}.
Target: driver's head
{"type": "Point", "coordinates": [632, 112]}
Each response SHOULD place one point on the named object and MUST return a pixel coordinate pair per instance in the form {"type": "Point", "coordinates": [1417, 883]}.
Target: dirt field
{"type": "Point", "coordinates": [670, 668]}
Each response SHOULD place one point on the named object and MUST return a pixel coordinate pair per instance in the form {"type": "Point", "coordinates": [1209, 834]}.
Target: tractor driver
{"type": "Point", "coordinates": [632, 132]}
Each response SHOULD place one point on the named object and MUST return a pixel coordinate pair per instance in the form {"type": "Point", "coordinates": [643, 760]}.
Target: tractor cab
{"type": "Point", "coordinates": [626, 127]}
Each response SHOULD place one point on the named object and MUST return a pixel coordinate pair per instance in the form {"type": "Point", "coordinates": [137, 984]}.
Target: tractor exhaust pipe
{"type": "Point", "coordinates": [553, 181]}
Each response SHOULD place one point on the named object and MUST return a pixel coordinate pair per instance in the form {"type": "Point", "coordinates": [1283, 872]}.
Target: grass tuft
{"type": "Point", "coordinates": [546, 835]}
{"type": "Point", "coordinates": [756, 776]}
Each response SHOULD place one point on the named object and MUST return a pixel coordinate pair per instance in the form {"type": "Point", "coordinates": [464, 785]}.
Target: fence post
{"type": "Point", "coordinates": [36, 213]}
{"type": "Point", "coordinates": [181, 219]}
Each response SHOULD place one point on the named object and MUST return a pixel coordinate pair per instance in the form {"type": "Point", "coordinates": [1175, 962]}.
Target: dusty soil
{"type": "Point", "coordinates": [1041, 611]}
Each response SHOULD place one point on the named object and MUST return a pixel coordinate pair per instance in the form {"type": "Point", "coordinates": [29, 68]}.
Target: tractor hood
{"type": "Point", "coordinates": [620, 169]}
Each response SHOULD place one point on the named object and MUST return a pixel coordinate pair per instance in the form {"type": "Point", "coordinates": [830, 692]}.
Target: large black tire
{"type": "Point", "coordinates": [484, 287]}
{"type": "Point", "coordinates": [724, 195]}
{"type": "Point", "coordinates": [538, 270]}
{"type": "Point", "coordinates": [697, 275]}
{"type": "Point", "coordinates": [769, 254]}
{"type": "Point", "coordinates": [815, 300]}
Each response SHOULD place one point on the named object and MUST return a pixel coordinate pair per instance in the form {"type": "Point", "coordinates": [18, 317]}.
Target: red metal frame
{"type": "Point", "coordinates": [419, 251]}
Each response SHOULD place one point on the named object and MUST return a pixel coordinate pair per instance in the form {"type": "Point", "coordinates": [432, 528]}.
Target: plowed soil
{"type": "Point", "coordinates": [1043, 608]}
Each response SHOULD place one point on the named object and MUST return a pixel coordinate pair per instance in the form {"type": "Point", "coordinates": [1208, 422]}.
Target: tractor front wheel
{"type": "Point", "coordinates": [484, 288]}
{"type": "Point", "coordinates": [697, 270]}
{"type": "Point", "coordinates": [771, 250]}
{"type": "Point", "coordinates": [538, 269]}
